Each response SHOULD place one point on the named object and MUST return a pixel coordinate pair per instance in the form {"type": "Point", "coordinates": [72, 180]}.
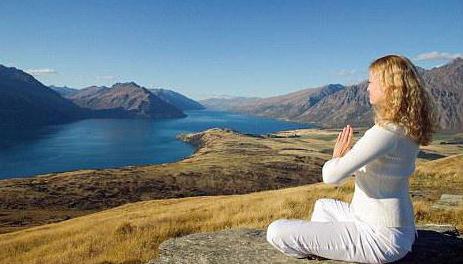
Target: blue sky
{"type": "Point", "coordinates": [213, 48]}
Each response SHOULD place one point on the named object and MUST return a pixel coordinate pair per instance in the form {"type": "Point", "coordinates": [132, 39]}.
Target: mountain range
{"type": "Point", "coordinates": [177, 99]}
{"type": "Point", "coordinates": [336, 105]}
{"type": "Point", "coordinates": [132, 100]}
{"type": "Point", "coordinates": [24, 101]}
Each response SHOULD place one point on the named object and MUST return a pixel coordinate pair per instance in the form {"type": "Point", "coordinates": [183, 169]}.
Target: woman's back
{"type": "Point", "coordinates": [382, 161]}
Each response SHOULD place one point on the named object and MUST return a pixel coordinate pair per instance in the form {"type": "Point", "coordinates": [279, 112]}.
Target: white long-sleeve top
{"type": "Point", "coordinates": [382, 161]}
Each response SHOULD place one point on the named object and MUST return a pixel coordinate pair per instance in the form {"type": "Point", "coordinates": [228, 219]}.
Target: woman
{"type": "Point", "coordinates": [378, 226]}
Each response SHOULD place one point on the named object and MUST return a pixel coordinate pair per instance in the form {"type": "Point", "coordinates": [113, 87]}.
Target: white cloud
{"type": "Point", "coordinates": [41, 72]}
{"type": "Point", "coordinates": [435, 55]}
{"type": "Point", "coordinates": [351, 76]}
{"type": "Point", "coordinates": [353, 81]}
{"type": "Point", "coordinates": [345, 72]}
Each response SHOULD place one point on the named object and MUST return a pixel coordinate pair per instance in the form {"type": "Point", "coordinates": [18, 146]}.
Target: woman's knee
{"type": "Point", "coordinates": [278, 236]}
{"type": "Point", "coordinates": [320, 203]}
{"type": "Point", "coordinates": [274, 230]}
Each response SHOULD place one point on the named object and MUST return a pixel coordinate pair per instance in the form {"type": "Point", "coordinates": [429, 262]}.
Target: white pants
{"type": "Point", "coordinates": [334, 233]}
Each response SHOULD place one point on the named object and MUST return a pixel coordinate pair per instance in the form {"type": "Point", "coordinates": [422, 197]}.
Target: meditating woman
{"type": "Point", "coordinates": [378, 226]}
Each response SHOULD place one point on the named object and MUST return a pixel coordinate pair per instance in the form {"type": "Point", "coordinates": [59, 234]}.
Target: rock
{"type": "Point", "coordinates": [429, 155]}
{"type": "Point", "coordinates": [435, 244]}
{"type": "Point", "coordinates": [448, 201]}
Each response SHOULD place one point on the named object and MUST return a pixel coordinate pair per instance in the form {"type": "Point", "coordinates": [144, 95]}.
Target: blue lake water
{"type": "Point", "coordinates": [110, 143]}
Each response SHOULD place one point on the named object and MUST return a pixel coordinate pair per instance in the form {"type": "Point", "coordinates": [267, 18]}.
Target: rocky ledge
{"type": "Point", "coordinates": [435, 244]}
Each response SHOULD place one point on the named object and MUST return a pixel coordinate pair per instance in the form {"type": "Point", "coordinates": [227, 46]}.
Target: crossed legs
{"type": "Point", "coordinates": [331, 233]}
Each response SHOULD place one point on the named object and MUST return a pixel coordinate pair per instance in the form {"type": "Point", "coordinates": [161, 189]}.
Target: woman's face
{"type": "Point", "coordinates": [374, 89]}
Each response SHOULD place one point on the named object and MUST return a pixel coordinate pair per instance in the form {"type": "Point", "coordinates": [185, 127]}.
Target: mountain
{"type": "Point", "coordinates": [446, 86]}
{"type": "Point", "coordinates": [179, 100]}
{"type": "Point", "coordinates": [334, 105]}
{"type": "Point", "coordinates": [125, 100]}
{"type": "Point", "coordinates": [64, 91]}
{"type": "Point", "coordinates": [349, 105]}
{"type": "Point", "coordinates": [227, 103]}
{"type": "Point", "coordinates": [24, 101]}
{"type": "Point", "coordinates": [291, 106]}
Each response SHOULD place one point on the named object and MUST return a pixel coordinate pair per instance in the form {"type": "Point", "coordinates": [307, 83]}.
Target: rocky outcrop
{"type": "Point", "coordinates": [449, 202]}
{"type": "Point", "coordinates": [435, 244]}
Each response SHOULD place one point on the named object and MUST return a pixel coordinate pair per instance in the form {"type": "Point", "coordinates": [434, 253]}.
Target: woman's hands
{"type": "Point", "coordinates": [343, 142]}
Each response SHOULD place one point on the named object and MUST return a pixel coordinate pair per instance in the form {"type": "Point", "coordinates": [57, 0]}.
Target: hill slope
{"type": "Point", "coordinates": [179, 100]}
{"type": "Point", "coordinates": [130, 99]}
{"type": "Point", "coordinates": [24, 101]}
{"type": "Point", "coordinates": [132, 233]}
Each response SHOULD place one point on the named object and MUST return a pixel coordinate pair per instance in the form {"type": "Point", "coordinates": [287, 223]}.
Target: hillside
{"type": "Point", "coordinates": [225, 162]}
{"type": "Point", "coordinates": [129, 99]}
{"type": "Point", "coordinates": [24, 101]}
{"type": "Point", "coordinates": [131, 233]}
{"type": "Point", "coordinates": [64, 91]}
{"type": "Point", "coordinates": [179, 100]}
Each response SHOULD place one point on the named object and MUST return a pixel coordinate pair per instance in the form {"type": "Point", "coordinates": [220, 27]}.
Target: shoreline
{"type": "Point", "coordinates": [179, 136]}
{"type": "Point", "coordinates": [222, 158]}
{"type": "Point", "coordinates": [225, 162]}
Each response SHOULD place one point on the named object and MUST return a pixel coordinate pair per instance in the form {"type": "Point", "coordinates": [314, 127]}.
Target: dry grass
{"type": "Point", "coordinates": [227, 163]}
{"type": "Point", "coordinates": [132, 233]}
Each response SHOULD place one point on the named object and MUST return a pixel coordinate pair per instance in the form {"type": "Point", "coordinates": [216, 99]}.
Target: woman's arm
{"type": "Point", "coordinates": [375, 143]}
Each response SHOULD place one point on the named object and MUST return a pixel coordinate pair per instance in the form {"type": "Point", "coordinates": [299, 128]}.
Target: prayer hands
{"type": "Point", "coordinates": [343, 142]}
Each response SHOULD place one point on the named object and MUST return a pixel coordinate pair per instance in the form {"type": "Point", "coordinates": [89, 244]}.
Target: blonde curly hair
{"type": "Point", "coordinates": [407, 102]}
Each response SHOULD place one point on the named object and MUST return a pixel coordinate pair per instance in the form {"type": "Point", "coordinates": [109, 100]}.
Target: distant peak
{"type": "Point", "coordinates": [335, 85]}
{"type": "Point", "coordinates": [124, 84]}
{"type": "Point", "coordinates": [453, 62]}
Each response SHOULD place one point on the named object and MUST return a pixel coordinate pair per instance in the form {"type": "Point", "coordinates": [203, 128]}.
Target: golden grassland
{"type": "Point", "coordinates": [224, 163]}
{"type": "Point", "coordinates": [131, 233]}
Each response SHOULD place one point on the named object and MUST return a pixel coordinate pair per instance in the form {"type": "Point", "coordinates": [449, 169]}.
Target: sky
{"type": "Point", "coordinates": [206, 48]}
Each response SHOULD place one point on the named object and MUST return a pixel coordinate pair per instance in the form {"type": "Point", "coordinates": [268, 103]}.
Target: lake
{"type": "Point", "coordinates": [110, 143]}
